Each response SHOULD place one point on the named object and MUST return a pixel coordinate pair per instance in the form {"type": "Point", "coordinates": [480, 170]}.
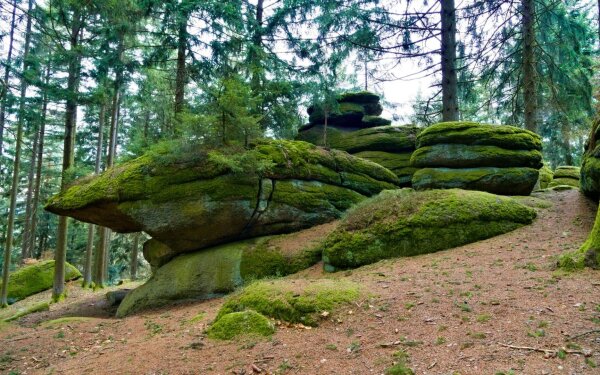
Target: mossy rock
{"type": "Point", "coordinates": [590, 176]}
{"type": "Point", "coordinates": [406, 222]}
{"type": "Point", "coordinates": [472, 133]}
{"type": "Point", "coordinates": [474, 156]}
{"type": "Point", "coordinates": [588, 255]}
{"type": "Point", "coordinates": [243, 323]}
{"type": "Point", "coordinates": [189, 198]}
{"type": "Point", "coordinates": [36, 278]}
{"type": "Point", "coordinates": [567, 171]}
{"type": "Point", "coordinates": [506, 181]}
{"type": "Point", "coordinates": [360, 97]}
{"type": "Point", "coordinates": [565, 181]}
{"type": "Point", "coordinates": [373, 121]}
{"type": "Point", "coordinates": [293, 301]}
{"type": "Point", "coordinates": [395, 139]}
{"type": "Point", "coordinates": [219, 270]}
{"type": "Point", "coordinates": [346, 115]}
{"type": "Point", "coordinates": [546, 176]}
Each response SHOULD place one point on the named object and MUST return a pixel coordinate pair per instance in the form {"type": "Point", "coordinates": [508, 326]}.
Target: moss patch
{"type": "Point", "coordinates": [463, 156]}
{"type": "Point", "coordinates": [243, 323]}
{"type": "Point", "coordinates": [507, 181]}
{"type": "Point", "coordinates": [546, 176]}
{"type": "Point", "coordinates": [472, 133]}
{"type": "Point", "coordinates": [406, 222]}
{"type": "Point", "coordinates": [36, 278]}
{"type": "Point", "coordinates": [588, 255]}
{"type": "Point", "coordinates": [44, 306]}
{"type": "Point", "coordinates": [567, 171]}
{"type": "Point", "coordinates": [293, 301]}
{"type": "Point", "coordinates": [564, 181]}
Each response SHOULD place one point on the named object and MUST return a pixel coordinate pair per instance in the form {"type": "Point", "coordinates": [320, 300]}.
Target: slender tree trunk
{"type": "Point", "coordinates": [39, 160]}
{"type": "Point", "coordinates": [25, 249]}
{"type": "Point", "coordinates": [134, 256]}
{"type": "Point", "coordinates": [4, 95]}
{"type": "Point", "coordinates": [14, 189]}
{"type": "Point", "coordinates": [60, 254]}
{"type": "Point", "coordinates": [449, 76]}
{"type": "Point", "coordinates": [87, 271]}
{"type": "Point", "coordinates": [529, 71]}
{"type": "Point", "coordinates": [566, 141]}
{"type": "Point", "coordinates": [181, 76]}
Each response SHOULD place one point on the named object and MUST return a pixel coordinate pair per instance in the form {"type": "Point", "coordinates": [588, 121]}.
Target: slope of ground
{"type": "Point", "coordinates": [457, 311]}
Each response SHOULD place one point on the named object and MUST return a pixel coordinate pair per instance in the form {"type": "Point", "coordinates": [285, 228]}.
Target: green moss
{"type": "Point", "coordinates": [266, 259]}
{"type": "Point", "coordinates": [507, 181]}
{"type": "Point", "coordinates": [590, 176]}
{"type": "Point", "coordinates": [472, 133]}
{"type": "Point", "coordinates": [561, 181]}
{"type": "Point", "coordinates": [406, 222]}
{"type": "Point", "coordinates": [474, 156]}
{"type": "Point", "coordinates": [546, 176]}
{"type": "Point", "coordinates": [567, 171]}
{"type": "Point", "coordinates": [399, 369]}
{"type": "Point", "coordinates": [292, 301]}
{"type": "Point", "coordinates": [588, 255]}
{"type": "Point", "coordinates": [373, 121]}
{"type": "Point", "coordinates": [36, 278]}
{"type": "Point", "coordinates": [44, 306]}
{"type": "Point", "coordinates": [397, 139]}
{"type": "Point", "coordinates": [243, 323]}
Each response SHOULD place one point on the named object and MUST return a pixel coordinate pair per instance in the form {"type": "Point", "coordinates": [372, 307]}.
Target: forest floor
{"type": "Point", "coordinates": [464, 310]}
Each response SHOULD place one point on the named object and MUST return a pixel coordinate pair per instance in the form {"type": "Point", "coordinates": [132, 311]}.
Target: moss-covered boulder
{"type": "Point", "coordinates": [211, 272]}
{"type": "Point", "coordinates": [476, 134]}
{"type": "Point", "coordinates": [566, 175]}
{"type": "Point", "coordinates": [505, 181]}
{"type": "Point", "coordinates": [293, 301]}
{"type": "Point", "coordinates": [588, 255]}
{"type": "Point", "coordinates": [498, 159]}
{"type": "Point", "coordinates": [35, 278]}
{"type": "Point", "coordinates": [243, 323]}
{"type": "Point", "coordinates": [389, 146]}
{"type": "Point", "coordinates": [354, 110]}
{"type": "Point", "coordinates": [189, 198]}
{"type": "Point", "coordinates": [546, 176]}
{"type": "Point", "coordinates": [407, 222]}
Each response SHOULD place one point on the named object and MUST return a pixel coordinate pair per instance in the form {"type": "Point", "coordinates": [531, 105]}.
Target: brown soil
{"type": "Point", "coordinates": [450, 312]}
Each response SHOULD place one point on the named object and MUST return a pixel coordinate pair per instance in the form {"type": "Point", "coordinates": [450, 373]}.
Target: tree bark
{"type": "Point", "coordinates": [448, 51]}
{"type": "Point", "coordinates": [134, 257]}
{"type": "Point", "coordinates": [39, 160]}
{"type": "Point", "coordinates": [4, 95]}
{"type": "Point", "coordinates": [60, 254]}
{"type": "Point", "coordinates": [181, 75]}
{"type": "Point", "coordinates": [25, 249]}
{"type": "Point", "coordinates": [529, 71]}
{"type": "Point", "coordinates": [566, 142]}
{"type": "Point", "coordinates": [14, 188]}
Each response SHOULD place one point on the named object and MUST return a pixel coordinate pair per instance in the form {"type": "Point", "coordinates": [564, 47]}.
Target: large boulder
{"type": "Point", "coordinates": [588, 255]}
{"type": "Point", "coordinates": [354, 110]}
{"type": "Point", "coordinates": [498, 159]}
{"type": "Point", "coordinates": [189, 199]}
{"type": "Point", "coordinates": [389, 146]}
{"type": "Point", "coordinates": [219, 270]}
{"type": "Point", "coordinates": [566, 175]}
{"type": "Point", "coordinates": [35, 278]}
{"type": "Point", "coordinates": [406, 222]}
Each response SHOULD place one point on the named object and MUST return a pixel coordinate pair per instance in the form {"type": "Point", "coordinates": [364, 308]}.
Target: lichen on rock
{"type": "Point", "coordinates": [407, 222]}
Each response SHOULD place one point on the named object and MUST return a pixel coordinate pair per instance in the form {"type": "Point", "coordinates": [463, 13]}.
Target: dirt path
{"type": "Point", "coordinates": [447, 312]}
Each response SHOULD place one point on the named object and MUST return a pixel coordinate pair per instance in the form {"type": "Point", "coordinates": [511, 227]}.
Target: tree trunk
{"type": "Point", "coordinates": [566, 141]}
{"type": "Point", "coordinates": [60, 254]}
{"type": "Point", "coordinates": [25, 250]}
{"type": "Point", "coordinates": [448, 51]}
{"type": "Point", "coordinates": [39, 160]}
{"type": "Point", "coordinates": [529, 71]}
{"type": "Point", "coordinates": [4, 95]}
{"type": "Point", "coordinates": [87, 271]}
{"type": "Point", "coordinates": [181, 76]}
{"type": "Point", "coordinates": [134, 256]}
{"type": "Point", "coordinates": [14, 188]}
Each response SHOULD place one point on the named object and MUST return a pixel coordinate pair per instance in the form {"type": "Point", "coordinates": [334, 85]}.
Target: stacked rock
{"type": "Point", "coordinates": [546, 176]}
{"type": "Point", "coordinates": [566, 175]}
{"type": "Point", "coordinates": [498, 159]}
{"type": "Point", "coordinates": [355, 129]}
{"type": "Point", "coordinates": [590, 168]}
